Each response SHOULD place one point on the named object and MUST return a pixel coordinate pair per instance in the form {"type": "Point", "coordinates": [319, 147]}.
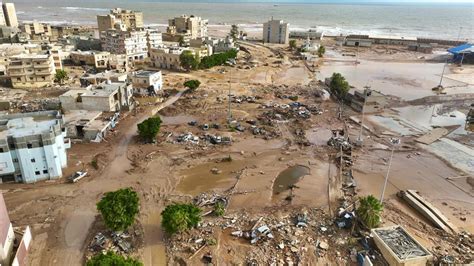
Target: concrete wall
{"type": "Point", "coordinates": [6, 234]}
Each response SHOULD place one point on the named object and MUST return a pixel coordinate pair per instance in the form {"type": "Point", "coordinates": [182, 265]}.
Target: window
{"type": "Point", "coordinates": [29, 145]}
{"type": "Point", "coordinates": [33, 160]}
{"type": "Point", "coordinates": [12, 146]}
{"type": "Point", "coordinates": [15, 160]}
{"type": "Point", "coordinates": [37, 172]}
{"type": "Point", "coordinates": [45, 171]}
{"type": "Point", "coordinates": [1, 149]}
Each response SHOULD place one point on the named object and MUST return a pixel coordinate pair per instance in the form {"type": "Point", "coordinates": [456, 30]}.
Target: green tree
{"type": "Point", "coordinates": [292, 44]}
{"type": "Point", "coordinates": [192, 84]}
{"type": "Point", "coordinates": [112, 259]}
{"type": "Point", "coordinates": [339, 85]}
{"type": "Point", "coordinates": [188, 61]}
{"type": "Point", "coordinates": [370, 211]}
{"type": "Point", "coordinates": [148, 129]}
{"type": "Point", "coordinates": [181, 41]}
{"type": "Point", "coordinates": [179, 217]}
{"type": "Point", "coordinates": [119, 208]}
{"type": "Point", "coordinates": [60, 76]}
{"type": "Point", "coordinates": [217, 59]}
{"type": "Point", "coordinates": [234, 32]}
{"type": "Point", "coordinates": [219, 208]}
{"type": "Point", "coordinates": [321, 51]}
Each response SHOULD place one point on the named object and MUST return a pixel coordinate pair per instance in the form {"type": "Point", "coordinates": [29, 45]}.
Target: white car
{"type": "Point", "coordinates": [77, 176]}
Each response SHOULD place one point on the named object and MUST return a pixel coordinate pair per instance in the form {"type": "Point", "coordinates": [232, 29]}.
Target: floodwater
{"type": "Point", "coordinates": [289, 177]}
{"type": "Point", "coordinates": [199, 179]}
{"type": "Point", "coordinates": [177, 119]}
{"type": "Point", "coordinates": [392, 125]}
{"type": "Point", "coordinates": [408, 80]}
{"type": "Point", "coordinates": [318, 136]}
{"type": "Point", "coordinates": [457, 154]}
{"type": "Point", "coordinates": [422, 116]}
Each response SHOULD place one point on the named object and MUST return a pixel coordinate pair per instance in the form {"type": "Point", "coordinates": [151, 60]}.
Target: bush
{"type": "Point", "coordinates": [60, 76]}
{"type": "Point", "coordinates": [292, 44]}
{"type": "Point", "coordinates": [339, 85]}
{"type": "Point", "coordinates": [149, 128]}
{"type": "Point", "coordinates": [217, 59]}
{"type": "Point", "coordinates": [321, 51]}
{"type": "Point", "coordinates": [180, 217]}
{"type": "Point", "coordinates": [119, 208]}
{"type": "Point", "coordinates": [192, 84]}
{"type": "Point", "coordinates": [112, 259]}
{"type": "Point", "coordinates": [369, 211]}
{"type": "Point", "coordinates": [219, 209]}
{"type": "Point", "coordinates": [188, 61]}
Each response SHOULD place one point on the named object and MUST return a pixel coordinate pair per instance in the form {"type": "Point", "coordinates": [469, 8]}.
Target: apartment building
{"type": "Point", "coordinates": [166, 57]}
{"type": "Point", "coordinates": [106, 97]}
{"type": "Point", "coordinates": [131, 20]}
{"type": "Point", "coordinates": [31, 70]}
{"type": "Point", "coordinates": [276, 31]}
{"type": "Point", "coordinates": [146, 82]}
{"type": "Point", "coordinates": [154, 39]}
{"type": "Point", "coordinates": [96, 59]}
{"type": "Point", "coordinates": [37, 31]}
{"type": "Point", "coordinates": [32, 146]}
{"type": "Point", "coordinates": [194, 26]}
{"type": "Point", "coordinates": [131, 43]}
{"type": "Point", "coordinates": [7, 236]}
{"type": "Point", "coordinates": [9, 15]}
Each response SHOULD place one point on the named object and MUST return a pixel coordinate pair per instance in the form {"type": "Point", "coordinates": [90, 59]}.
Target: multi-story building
{"type": "Point", "coordinates": [276, 31]}
{"type": "Point", "coordinates": [194, 26]}
{"type": "Point", "coordinates": [153, 39]}
{"type": "Point", "coordinates": [9, 14]}
{"type": "Point", "coordinates": [166, 57]}
{"type": "Point", "coordinates": [37, 31]}
{"type": "Point", "coordinates": [146, 82]}
{"type": "Point", "coordinates": [131, 43]}
{"type": "Point", "coordinates": [216, 45]}
{"type": "Point", "coordinates": [97, 59]}
{"type": "Point", "coordinates": [32, 146]}
{"type": "Point", "coordinates": [106, 97]}
{"type": "Point", "coordinates": [131, 20]}
{"type": "Point", "coordinates": [31, 70]}
{"type": "Point", "coordinates": [7, 236]}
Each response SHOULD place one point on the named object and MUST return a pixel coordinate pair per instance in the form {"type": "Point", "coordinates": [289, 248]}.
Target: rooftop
{"type": "Point", "coordinates": [24, 125]}
{"type": "Point", "coordinates": [144, 73]}
{"type": "Point", "coordinates": [103, 90]}
{"type": "Point", "coordinates": [31, 56]}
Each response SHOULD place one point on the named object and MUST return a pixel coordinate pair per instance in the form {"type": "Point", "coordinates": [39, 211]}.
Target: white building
{"type": "Point", "coordinates": [146, 82]}
{"type": "Point", "coordinates": [276, 31]}
{"type": "Point", "coordinates": [131, 43]}
{"type": "Point", "coordinates": [194, 26]}
{"type": "Point", "coordinates": [7, 236]}
{"type": "Point", "coordinates": [154, 39]}
{"type": "Point", "coordinates": [32, 146]}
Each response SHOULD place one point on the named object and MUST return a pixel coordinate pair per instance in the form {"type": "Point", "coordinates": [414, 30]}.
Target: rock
{"type": "Point", "coordinates": [323, 245]}
{"type": "Point", "coordinates": [463, 218]}
{"type": "Point", "coordinates": [262, 172]}
{"type": "Point", "coordinates": [242, 152]}
{"type": "Point", "coordinates": [294, 249]}
{"type": "Point", "coordinates": [216, 171]}
{"type": "Point", "coordinates": [281, 246]}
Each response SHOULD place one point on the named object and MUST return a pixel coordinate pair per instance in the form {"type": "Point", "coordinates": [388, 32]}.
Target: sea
{"type": "Point", "coordinates": [453, 21]}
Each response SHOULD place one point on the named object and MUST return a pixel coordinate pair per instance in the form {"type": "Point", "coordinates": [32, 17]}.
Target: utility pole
{"type": "Point", "coordinates": [366, 94]}
{"type": "Point", "coordinates": [229, 114]}
{"type": "Point", "coordinates": [394, 142]}
{"type": "Point", "coordinates": [442, 74]}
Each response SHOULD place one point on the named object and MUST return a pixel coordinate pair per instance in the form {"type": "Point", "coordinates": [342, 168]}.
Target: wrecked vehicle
{"type": "Point", "coordinates": [260, 233]}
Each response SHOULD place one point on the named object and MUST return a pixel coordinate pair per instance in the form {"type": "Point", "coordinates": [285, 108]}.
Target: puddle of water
{"type": "Point", "coordinates": [176, 120]}
{"type": "Point", "coordinates": [391, 124]}
{"type": "Point", "coordinates": [318, 136]}
{"type": "Point", "coordinates": [289, 177]}
{"type": "Point", "coordinates": [199, 179]}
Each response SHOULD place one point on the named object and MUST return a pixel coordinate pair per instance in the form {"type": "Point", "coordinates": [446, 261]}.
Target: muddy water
{"type": "Point", "coordinates": [199, 179]}
{"type": "Point", "coordinates": [289, 177]}
{"type": "Point", "coordinates": [318, 136]}
{"type": "Point", "coordinates": [177, 119]}
{"type": "Point", "coordinates": [406, 80]}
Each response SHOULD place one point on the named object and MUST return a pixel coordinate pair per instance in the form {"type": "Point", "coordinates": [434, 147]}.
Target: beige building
{"type": "Point", "coordinates": [120, 19]}
{"type": "Point", "coordinates": [106, 97]}
{"type": "Point", "coordinates": [131, 43]}
{"type": "Point", "coordinates": [97, 59]}
{"type": "Point", "coordinates": [168, 57]}
{"type": "Point", "coordinates": [31, 71]}
{"type": "Point", "coordinates": [194, 26]}
{"type": "Point", "coordinates": [146, 82]}
{"type": "Point", "coordinates": [276, 31]}
{"type": "Point", "coordinates": [9, 14]}
{"type": "Point", "coordinates": [37, 31]}
{"type": "Point", "coordinates": [153, 39]}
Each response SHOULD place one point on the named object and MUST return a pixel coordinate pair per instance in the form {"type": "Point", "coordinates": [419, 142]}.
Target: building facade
{"type": "Point", "coordinates": [96, 59]}
{"type": "Point", "coordinates": [131, 43]}
{"type": "Point", "coordinates": [37, 31]}
{"type": "Point", "coordinates": [166, 57]}
{"type": "Point", "coordinates": [154, 39]}
{"type": "Point", "coordinates": [7, 236]}
{"type": "Point", "coordinates": [276, 31]}
{"type": "Point", "coordinates": [194, 26]}
{"type": "Point", "coordinates": [120, 19]}
{"type": "Point", "coordinates": [31, 71]}
{"type": "Point", "coordinates": [146, 82]}
{"type": "Point", "coordinates": [9, 14]}
{"type": "Point", "coordinates": [32, 147]}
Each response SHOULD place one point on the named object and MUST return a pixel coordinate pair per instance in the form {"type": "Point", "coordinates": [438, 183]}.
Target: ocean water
{"type": "Point", "coordinates": [446, 20]}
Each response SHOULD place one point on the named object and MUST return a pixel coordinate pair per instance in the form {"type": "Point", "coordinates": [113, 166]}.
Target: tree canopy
{"type": "Point", "coordinates": [339, 85]}
{"type": "Point", "coordinates": [112, 259]}
{"type": "Point", "coordinates": [234, 31]}
{"type": "Point", "coordinates": [217, 59]}
{"type": "Point", "coordinates": [192, 84]}
{"type": "Point", "coordinates": [292, 44]}
{"type": "Point", "coordinates": [119, 208]}
{"type": "Point", "coordinates": [370, 211]}
{"type": "Point", "coordinates": [179, 217]}
{"type": "Point", "coordinates": [60, 76]}
{"type": "Point", "coordinates": [149, 128]}
{"type": "Point", "coordinates": [188, 61]}
{"type": "Point", "coordinates": [321, 51]}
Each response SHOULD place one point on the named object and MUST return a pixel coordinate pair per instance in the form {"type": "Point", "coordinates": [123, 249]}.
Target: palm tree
{"type": "Point", "coordinates": [369, 211]}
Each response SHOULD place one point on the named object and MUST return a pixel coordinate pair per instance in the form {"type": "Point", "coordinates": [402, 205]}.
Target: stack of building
{"type": "Point", "coordinates": [31, 70]}
{"type": "Point", "coordinates": [276, 31]}
{"type": "Point", "coordinates": [8, 24]}
{"type": "Point", "coordinates": [185, 28]}
{"type": "Point", "coordinates": [122, 32]}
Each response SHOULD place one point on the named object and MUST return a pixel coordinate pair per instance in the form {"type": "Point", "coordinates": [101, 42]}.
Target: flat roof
{"type": "Point", "coordinates": [144, 73]}
{"type": "Point", "coordinates": [31, 56]}
{"type": "Point", "coordinates": [75, 116]}
{"type": "Point", "coordinates": [103, 90]}
{"type": "Point", "coordinates": [27, 126]}
{"type": "Point", "coordinates": [393, 37]}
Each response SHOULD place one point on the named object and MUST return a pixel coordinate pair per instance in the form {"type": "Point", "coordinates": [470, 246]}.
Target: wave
{"type": "Point", "coordinates": [84, 8]}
